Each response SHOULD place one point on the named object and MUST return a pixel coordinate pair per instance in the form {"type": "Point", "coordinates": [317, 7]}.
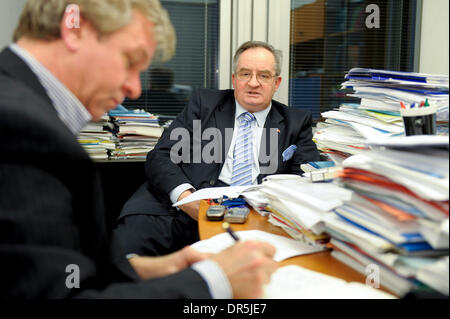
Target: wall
{"type": "Point", "coordinates": [9, 14]}
{"type": "Point", "coordinates": [434, 45]}
{"type": "Point", "coordinates": [434, 37]}
{"type": "Point", "coordinates": [262, 20]}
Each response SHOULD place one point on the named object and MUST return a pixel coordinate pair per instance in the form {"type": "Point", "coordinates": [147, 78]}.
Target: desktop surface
{"type": "Point", "coordinates": [322, 261]}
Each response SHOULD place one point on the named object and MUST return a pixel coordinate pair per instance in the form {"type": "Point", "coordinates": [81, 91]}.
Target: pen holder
{"type": "Point", "coordinates": [419, 121]}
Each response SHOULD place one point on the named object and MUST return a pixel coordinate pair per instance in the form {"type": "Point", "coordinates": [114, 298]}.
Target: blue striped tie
{"type": "Point", "coordinates": [243, 152]}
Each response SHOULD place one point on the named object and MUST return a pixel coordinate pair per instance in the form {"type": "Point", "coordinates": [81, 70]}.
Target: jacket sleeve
{"type": "Point", "coordinates": [175, 146]}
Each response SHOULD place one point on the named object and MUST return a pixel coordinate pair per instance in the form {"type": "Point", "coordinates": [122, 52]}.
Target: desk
{"type": "Point", "coordinates": [322, 262]}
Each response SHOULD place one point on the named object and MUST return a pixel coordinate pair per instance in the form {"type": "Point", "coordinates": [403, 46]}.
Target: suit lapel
{"type": "Point", "coordinates": [275, 123]}
{"type": "Point", "coordinates": [224, 115]}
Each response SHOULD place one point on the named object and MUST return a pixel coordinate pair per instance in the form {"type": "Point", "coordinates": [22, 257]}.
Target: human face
{"type": "Point", "coordinates": [109, 66]}
{"type": "Point", "coordinates": [253, 95]}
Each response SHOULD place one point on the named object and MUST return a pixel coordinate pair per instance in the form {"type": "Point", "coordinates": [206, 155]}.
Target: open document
{"type": "Point", "coordinates": [285, 247]}
{"type": "Point", "coordinates": [215, 192]}
{"type": "Point", "coordinates": [295, 282]}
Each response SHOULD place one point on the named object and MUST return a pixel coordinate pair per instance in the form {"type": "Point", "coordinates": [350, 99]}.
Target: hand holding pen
{"type": "Point", "coordinates": [247, 264]}
{"type": "Point", "coordinates": [226, 226]}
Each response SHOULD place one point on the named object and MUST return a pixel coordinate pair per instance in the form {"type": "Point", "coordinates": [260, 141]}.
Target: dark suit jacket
{"type": "Point", "coordinates": [52, 209]}
{"type": "Point", "coordinates": [216, 109]}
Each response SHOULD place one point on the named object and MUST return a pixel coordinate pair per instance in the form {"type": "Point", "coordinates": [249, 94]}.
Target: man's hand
{"type": "Point", "coordinates": [150, 267]}
{"type": "Point", "coordinates": [248, 266]}
{"type": "Point", "coordinates": [190, 208]}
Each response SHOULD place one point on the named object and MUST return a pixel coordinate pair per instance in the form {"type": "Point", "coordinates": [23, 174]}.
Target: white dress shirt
{"type": "Point", "coordinates": [68, 107]}
{"type": "Point", "coordinates": [257, 130]}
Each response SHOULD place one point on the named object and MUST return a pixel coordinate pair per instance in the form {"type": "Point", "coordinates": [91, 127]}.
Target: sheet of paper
{"type": "Point", "coordinates": [295, 282]}
{"type": "Point", "coordinates": [214, 192]}
{"type": "Point", "coordinates": [285, 247]}
{"type": "Point", "coordinates": [413, 142]}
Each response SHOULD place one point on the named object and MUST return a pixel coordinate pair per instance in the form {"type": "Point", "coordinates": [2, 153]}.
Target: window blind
{"type": "Point", "coordinates": [167, 87]}
{"type": "Point", "coordinates": [329, 37]}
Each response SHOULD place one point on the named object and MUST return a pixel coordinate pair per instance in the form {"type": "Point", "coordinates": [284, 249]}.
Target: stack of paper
{"type": "Point", "coordinates": [295, 282]}
{"type": "Point", "coordinates": [383, 91]}
{"type": "Point", "coordinates": [344, 131]}
{"type": "Point", "coordinates": [297, 205]}
{"type": "Point", "coordinates": [397, 218]}
{"type": "Point", "coordinates": [137, 132]}
{"type": "Point", "coordinates": [97, 138]}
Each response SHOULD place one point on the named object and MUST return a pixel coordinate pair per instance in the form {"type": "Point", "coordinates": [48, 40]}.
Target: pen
{"type": "Point", "coordinates": [227, 227]}
{"type": "Point", "coordinates": [412, 105]}
{"type": "Point", "coordinates": [402, 105]}
{"type": "Point", "coordinates": [426, 103]}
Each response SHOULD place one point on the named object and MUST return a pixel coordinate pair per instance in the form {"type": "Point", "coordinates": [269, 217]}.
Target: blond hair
{"type": "Point", "coordinates": [40, 19]}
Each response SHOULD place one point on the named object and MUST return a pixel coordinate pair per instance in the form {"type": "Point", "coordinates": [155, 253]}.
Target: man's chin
{"type": "Point", "coordinates": [254, 107]}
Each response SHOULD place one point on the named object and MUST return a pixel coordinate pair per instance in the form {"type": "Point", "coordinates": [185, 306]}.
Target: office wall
{"type": "Point", "coordinates": [434, 54]}
{"type": "Point", "coordinates": [9, 14]}
{"type": "Point", "coordinates": [434, 39]}
{"type": "Point", "coordinates": [262, 20]}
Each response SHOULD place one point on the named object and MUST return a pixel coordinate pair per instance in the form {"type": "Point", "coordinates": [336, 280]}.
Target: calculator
{"type": "Point", "coordinates": [215, 212]}
{"type": "Point", "coordinates": [236, 215]}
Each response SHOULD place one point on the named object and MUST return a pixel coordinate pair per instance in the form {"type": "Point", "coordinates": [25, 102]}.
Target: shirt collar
{"type": "Point", "coordinates": [260, 116]}
{"type": "Point", "coordinates": [69, 109]}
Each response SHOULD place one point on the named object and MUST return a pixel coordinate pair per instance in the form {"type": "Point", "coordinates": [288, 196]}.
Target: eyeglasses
{"type": "Point", "coordinates": [261, 77]}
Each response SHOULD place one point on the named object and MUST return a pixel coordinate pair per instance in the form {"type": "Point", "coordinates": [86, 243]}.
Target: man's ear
{"type": "Point", "coordinates": [70, 28]}
{"type": "Point", "coordinates": [278, 82]}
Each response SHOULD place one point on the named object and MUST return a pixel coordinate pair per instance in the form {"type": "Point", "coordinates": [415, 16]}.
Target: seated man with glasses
{"type": "Point", "coordinates": [222, 137]}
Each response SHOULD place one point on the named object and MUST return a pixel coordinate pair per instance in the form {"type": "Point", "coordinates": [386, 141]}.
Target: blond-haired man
{"type": "Point", "coordinates": [71, 62]}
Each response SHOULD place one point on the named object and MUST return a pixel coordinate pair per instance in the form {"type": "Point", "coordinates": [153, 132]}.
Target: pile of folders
{"type": "Point", "coordinates": [343, 131]}
{"type": "Point", "coordinates": [398, 216]}
{"type": "Point", "coordinates": [137, 133]}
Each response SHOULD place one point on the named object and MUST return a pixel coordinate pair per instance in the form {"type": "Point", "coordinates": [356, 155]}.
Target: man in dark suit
{"type": "Point", "coordinates": [202, 146]}
{"type": "Point", "coordinates": [72, 61]}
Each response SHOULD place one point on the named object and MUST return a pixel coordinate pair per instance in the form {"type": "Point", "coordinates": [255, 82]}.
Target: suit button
{"type": "Point", "coordinates": [212, 182]}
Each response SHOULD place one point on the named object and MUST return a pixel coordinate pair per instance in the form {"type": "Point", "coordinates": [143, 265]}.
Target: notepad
{"type": "Point", "coordinates": [295, 282]}
{"type": "Point", "coordinates": [285, 247]}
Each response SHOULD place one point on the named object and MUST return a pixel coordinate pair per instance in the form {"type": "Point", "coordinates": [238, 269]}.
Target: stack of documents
{"type": "Point", "coordinates": [295, 282]}
{"type": "Point", "coordinates": [345, 130]}
{"type": "Point", "coordinates": [97, 138]}
{"type": "Point", "coordinates": [137, 132]}
{"type": "Point", "coordinates": [297, 205]}
{"type": "Point", "coordinates": [383, 90]}
{"type": "Point", "coordinates": [398, 216]}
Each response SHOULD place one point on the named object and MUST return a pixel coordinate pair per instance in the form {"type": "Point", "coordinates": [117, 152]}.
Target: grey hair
{"type": "Point", "coordinates": [41, 19]}
{"type": "Point", "coordinates": [277, 54]}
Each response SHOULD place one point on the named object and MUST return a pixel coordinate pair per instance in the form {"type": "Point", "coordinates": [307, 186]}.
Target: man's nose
{"type": "Point", "coordinates": [132, 86]}
{"type": "Point", "coordinates": [253, 80]}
